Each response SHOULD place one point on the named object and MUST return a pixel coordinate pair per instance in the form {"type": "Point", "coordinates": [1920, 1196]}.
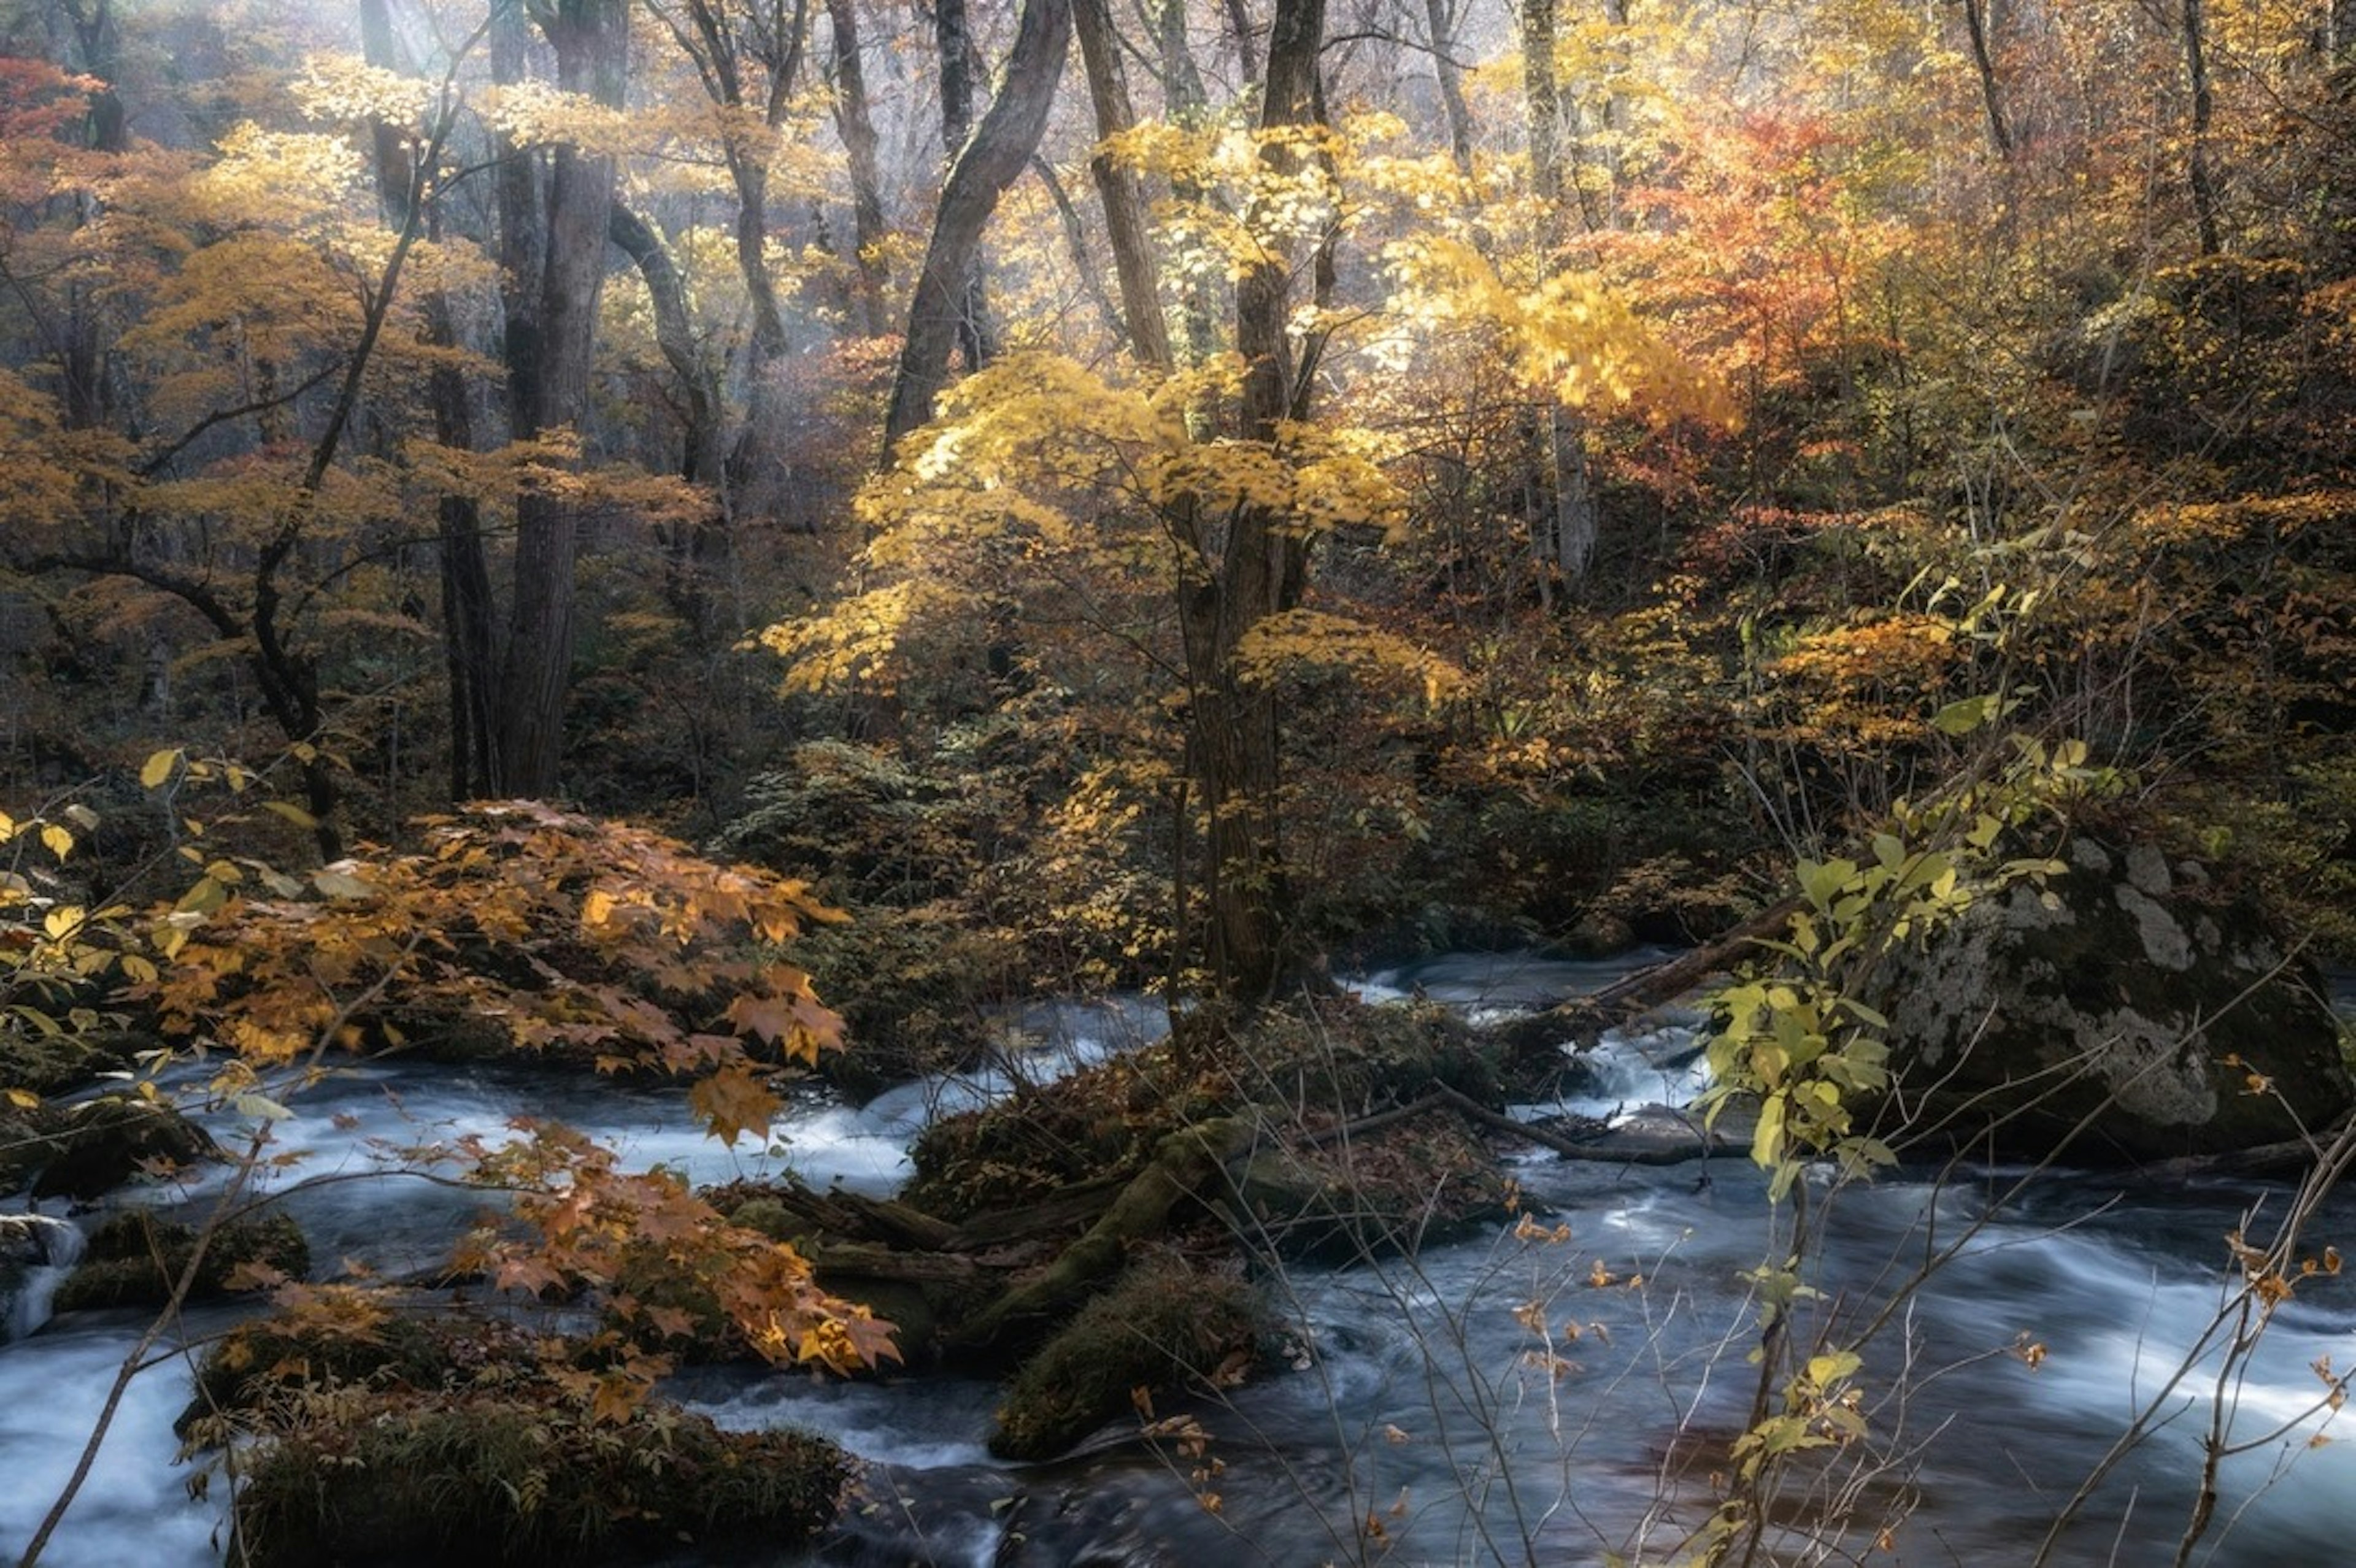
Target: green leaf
{"type": "Point", "coordinates": [1963, 718]}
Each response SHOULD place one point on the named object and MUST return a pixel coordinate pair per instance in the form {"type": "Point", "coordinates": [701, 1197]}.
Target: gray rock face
{"type": "Point", "coordinates": [2135, 997]}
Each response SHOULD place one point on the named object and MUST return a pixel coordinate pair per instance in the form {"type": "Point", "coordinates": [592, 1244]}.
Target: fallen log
{"type": "Point", "coordinates": [1584, 1017]}
{"type": "Point", "coordinates": [1185, 1164]}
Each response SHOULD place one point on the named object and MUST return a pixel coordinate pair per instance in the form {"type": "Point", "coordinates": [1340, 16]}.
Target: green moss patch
{"type": "Point", "coordinates": [1166, 1324]}
{"type": "Point", "coordinates": [134, 1258]}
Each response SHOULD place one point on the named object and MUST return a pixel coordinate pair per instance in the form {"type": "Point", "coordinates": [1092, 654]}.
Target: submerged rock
{"type": "Point", "coordinates": [2131, 1011]}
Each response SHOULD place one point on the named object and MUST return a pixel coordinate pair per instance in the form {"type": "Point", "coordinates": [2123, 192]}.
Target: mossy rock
{"type": "Point", "coordinates": [1166, 1324]}
{"type": "Point", "coordinates": [1344, 1059]}
{"type": "Point", "coordinates": [2135, 1009]}
{"type": "Point", "coordinates": [467, 1479]}
{"type": "Point", "coordinates": [1425, 1179]}
{"type": "Point", "coordinates": [1311, 1065]}
{"type": "Point", "coordinates": [354, 1341]}
{"type": "Point", "coordinates": [1104, 1121]}
{"type": "Point", "coordinates": [59, 1063]}
{"type": "Point", "coordinates": [91, 1148]}
{"type": "Point", "coordinates": [134, 1258]}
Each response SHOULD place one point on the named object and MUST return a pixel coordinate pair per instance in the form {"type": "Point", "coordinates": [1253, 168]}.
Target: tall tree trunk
{"type": "Point", "coordinates": [1259, 570]}
{"type": "Point", "coordinates": [1441, 24]}
{"type": "Point", "coordinates": [1189, 105]}
{"type": "Point", "coordinates": [83, 356]}
{"type": "Point", "coordinates": [1564, 517]}
{"type": "Point", "coordinates": [960, 74]}
{"type": "Point", "coordinates": [857, 128]}
{"type": "Point", "coordinates": [992, 159]}
{"type": "Point", "coordinates": [519, 189]}
{"type": "Point", "coordinates": [1132, 246]}
{"type": "Point", "coordinates": [2204, 107]}
{"type": "Point", "coordinates": [701, 551]}
{"type": "Point", "coordinates": [592, 42]}
{"type": "Point", "coordinates": [466, 582]}
{"type": "Point", "coordinates": [1975, 23]}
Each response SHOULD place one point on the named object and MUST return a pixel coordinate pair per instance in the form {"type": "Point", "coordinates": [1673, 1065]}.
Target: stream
{"type": "Point", "coordinates": [1425, 1422]}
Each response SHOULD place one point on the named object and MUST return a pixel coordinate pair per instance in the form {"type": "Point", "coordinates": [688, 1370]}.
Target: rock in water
{"type": "Point", "coordinates": [2140, 998]}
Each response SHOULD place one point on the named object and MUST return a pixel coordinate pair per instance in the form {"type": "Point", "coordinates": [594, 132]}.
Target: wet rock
{"type": "Point", "coordinates": [133, 1259]}
{"type": "Point", "coordinates": [1165, 1323]}
{"type": "Point", "coordinates": [496, 1482]}
{"type": "Point", "coordinates": [1388, 1192]}
{"type": "Point", "coordinates": [2131, 1011]}
{"type": "Point", "coordinates": [395, 1439]}
{"type": "Point", "coordinates": [94, 1147]}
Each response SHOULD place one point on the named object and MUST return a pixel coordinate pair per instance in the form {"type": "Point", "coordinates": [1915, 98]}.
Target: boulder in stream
{"type": "Point", "coordinates": [390, 1439]}
{"type": "Point", "coordinates": [2133, 1009]}
{"type": "Point", "coordinates": [134, 1259]}
{"type": "Point", "coordinates": [91, 1148]}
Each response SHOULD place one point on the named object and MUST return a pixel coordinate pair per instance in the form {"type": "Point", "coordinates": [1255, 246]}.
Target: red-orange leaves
{"type": "Point", "coordinates": [556, 930]}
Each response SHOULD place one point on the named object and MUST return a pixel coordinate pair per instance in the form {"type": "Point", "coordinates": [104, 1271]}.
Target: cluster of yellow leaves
{"type": "Point", "coordinates": [1314, 638]}
{"type": "Point", "coordinates": [1568, 338]}
{"type": "Point", "coordinates": [1039, 466]}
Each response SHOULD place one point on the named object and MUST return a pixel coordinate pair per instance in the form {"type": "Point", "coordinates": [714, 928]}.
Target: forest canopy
{"type": "Point", "coordinates": [1160, 494]}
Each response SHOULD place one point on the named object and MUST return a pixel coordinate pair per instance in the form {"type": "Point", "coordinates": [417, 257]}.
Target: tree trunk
{"type": "Point", "coordinates": [702, 552]}
{"type": "Point", "coordinates": [1261, 571]}
{"type": "Point", "coordinates": [592, 42]}
{"type": "Point", "coordinates": [1442, 28]}
{"type": "Point", "coordinates": [2204, 104]}
{"type": "Point", "coordinates": [83, 359]}
{"type": "Point", "coordinates": [993, 159]}
{"type": "Point", "coordinates": [1132, 246]}
{"type": "Point", "coordinates": [960, 71]}
{"type": "Point", "coordinates": [465, 580]}
{"type": "Point", "coordinates": [857, 128]}
{"type": "Point", "coordinates": [1564, 520]}
{"type": "Point", "coordinates": [1975, 23]}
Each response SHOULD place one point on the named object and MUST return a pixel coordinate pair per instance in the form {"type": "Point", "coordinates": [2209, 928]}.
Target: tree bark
{"type": "Point", "coordinates": [1132, 246]}
{"type": "Point", "coordinates": [857, 128]}
{"type": "Point", "coordinates": [995, 156]}
{"type": "Point", "coordinates": [1441, 24]}
{"type": "Point", "coordinates": [960, 72]}
{"type": "Point", "coordinates": [701, 551]}
{"type": "Point", "coordinates": [1984, 58]}
{"type": "Point", "coordinates": [592, 42]}
{"type": "Point", "coordinates": [2199, 174]}
{"type": "Point", "coordinates": [1260, 570]}
{"type": "Point", "coordinates": [1564, 519]}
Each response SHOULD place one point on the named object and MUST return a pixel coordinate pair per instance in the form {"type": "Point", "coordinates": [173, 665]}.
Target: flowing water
{"type": "Point", "coordinates": [1427, 1421]}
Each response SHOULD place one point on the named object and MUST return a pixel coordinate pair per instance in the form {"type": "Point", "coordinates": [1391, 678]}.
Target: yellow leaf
{"type": "Point", "coordinates": [291, 812]}
{"type": "Point", "coordinates": [23, 1099]}
{"type": "Point", "coordinates": [159, 768]}
{"type": "Point", "coordinates": [57, 840]}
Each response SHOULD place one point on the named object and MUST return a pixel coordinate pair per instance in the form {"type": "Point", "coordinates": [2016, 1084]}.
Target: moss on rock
{"type": "Point", "coordinates": [385, 1438]}
{"type": "Point", "coordinates": [90, 1148]}
{"type": "Point", "coordinates": [461, 1480]}
{"type": "Point", "coordinates": [134, 1258]}
{"type": "Point", "coordinates": [1166, 1324]}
